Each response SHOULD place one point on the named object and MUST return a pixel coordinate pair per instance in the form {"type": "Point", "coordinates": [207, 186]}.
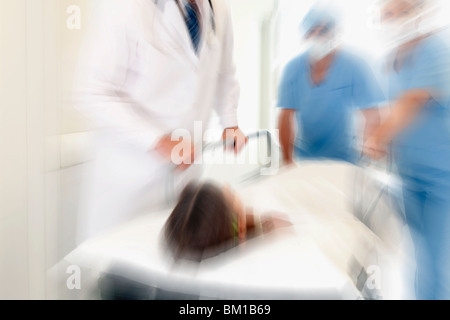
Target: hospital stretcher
{"type": "Point", "coordinates": [334, 249]}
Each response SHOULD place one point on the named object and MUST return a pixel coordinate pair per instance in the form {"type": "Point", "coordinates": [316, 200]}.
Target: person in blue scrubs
{"type": "Point", "coordinates": [321, 89]}
{"type": "Point", "coordinates": [417, 132]}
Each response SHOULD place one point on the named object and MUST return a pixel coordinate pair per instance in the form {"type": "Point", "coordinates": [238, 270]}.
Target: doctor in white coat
{"type": "Point", "coordinates": [141, 78]}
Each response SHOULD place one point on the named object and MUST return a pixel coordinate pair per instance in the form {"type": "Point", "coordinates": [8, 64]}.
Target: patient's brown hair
{"type": "Point", "coordinates": [200, 225]}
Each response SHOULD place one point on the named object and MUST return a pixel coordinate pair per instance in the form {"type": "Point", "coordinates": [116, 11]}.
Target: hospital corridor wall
{"type": "Point", "coordinates": [29, 141]}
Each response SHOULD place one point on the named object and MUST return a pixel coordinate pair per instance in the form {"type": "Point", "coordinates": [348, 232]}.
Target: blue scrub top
{"type": "Point", "coordinates": [423, 149]}
{"type": "Point", "coordinates": [324, 113]}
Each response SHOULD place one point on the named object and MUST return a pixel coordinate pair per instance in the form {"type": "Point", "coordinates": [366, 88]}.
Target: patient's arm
{"type": "Point", "coordinates": [261, 224]}
{"type": "Point", "coordinates": [273, 222]}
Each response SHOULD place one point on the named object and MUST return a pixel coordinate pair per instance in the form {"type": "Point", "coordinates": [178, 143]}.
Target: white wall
{"type": "Point", "coordinates": [29, 143]}
{"type": "Point", "coordinates": [13, 162]}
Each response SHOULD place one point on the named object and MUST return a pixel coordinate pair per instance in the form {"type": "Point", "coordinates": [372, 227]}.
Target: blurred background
{"type": "Point", "coordinates": [45, 143]}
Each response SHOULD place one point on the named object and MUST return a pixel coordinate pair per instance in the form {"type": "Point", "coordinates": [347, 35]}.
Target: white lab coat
{"type": "Point", "coordinates": [139, 79]}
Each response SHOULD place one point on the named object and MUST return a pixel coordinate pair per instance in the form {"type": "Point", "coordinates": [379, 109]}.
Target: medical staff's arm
{"type": "Point", "coordinates": [403, 113]}
{"type": "Point", "coordinates": [371, 121]}
{"type": "Point", "coordinates": [367, 95]}
{"type": "Point", "coordinates": [228, 89]}
{"type": "Point", "coordinates": [287, 132]}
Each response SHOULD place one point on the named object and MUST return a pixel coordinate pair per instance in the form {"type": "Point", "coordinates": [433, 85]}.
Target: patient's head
{"type": "Point", "coordinates": [203, 223]}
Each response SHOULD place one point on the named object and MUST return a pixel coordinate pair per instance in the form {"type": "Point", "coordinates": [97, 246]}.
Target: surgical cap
{"type": "Point", "coordinates": [321, 14]}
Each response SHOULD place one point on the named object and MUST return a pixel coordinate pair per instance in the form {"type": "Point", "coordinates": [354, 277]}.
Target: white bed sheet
{"type": "Point", "coordinates": [319, 257]}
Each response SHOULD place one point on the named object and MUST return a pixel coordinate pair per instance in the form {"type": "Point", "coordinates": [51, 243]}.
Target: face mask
{"type": "Point", "coordinates": [398, 33]}
{"type": "Point", "coordinates": [319, 49]}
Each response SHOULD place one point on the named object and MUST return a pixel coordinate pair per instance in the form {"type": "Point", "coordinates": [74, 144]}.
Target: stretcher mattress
{"type": "Point", "coordinates": [327, 253]}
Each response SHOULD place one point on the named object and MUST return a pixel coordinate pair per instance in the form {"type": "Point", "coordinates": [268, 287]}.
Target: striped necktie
{"type": "Point", "coordinates": [193, 23]}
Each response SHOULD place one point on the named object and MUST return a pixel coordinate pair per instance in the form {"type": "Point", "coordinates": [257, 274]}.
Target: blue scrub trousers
{"type": "Point", "coordinates": [427, 209]}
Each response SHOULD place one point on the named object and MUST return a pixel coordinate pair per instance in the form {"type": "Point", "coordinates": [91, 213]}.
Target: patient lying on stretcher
{"type": "Point", "coordinates": [209, 219]}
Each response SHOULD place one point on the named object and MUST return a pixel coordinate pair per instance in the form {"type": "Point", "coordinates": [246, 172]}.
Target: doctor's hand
{"type": "Point", "coordinates": [180, 152]}
{"type": "Point", "coordinates": [234, 139]}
